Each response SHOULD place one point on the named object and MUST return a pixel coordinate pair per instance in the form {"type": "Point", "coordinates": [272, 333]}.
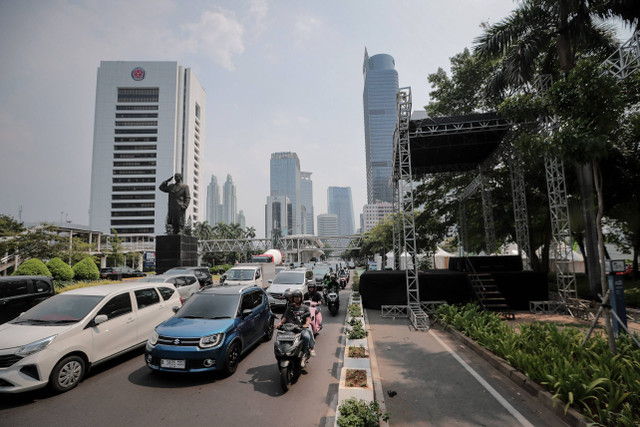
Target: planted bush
{"type": "Point", "coordinates": [603, 387]}
{"type": "Point", "coordinates": [357, 332]}
{"type": "Point", "coordinates": [355, 310]}
{"type": "Point", "coordinates": [86, 269]}
{"type": "Point", "coordinates": [32, 267]}
{"type": "Point", "coordinates": [357, 352]}
{"type": "Point", "coordinates": [60, 270]}
{"type": "Point", "coordinates": [360, 413]}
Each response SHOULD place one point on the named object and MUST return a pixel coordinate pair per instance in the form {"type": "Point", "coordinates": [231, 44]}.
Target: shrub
{"type": "Point", "coordinates": [360, 413]}
{"type": "Point", "coordinates": [357, 332]}
{"type": "Point", "coordinates": [355, 310]}
{"type": "Point", "coordinates": [86, 269]}
{"type": "Point", "coordinates": [355, 286]}
{"type": "Point", "coordinates": [308, 275]}
{"type": "Point", "coordinates": [60, 270]}
{"type": "Point", "coordinates": [32, 267]}
{"type": "Point", "coordinates": [632, 297]}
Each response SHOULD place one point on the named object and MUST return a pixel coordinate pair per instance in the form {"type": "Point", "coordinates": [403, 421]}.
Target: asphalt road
{"type": "Point", "coordinates": [125, 392]}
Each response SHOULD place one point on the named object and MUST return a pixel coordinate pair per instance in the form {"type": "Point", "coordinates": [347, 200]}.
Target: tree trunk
{"type": "Point", "coordinates": [585, 181]}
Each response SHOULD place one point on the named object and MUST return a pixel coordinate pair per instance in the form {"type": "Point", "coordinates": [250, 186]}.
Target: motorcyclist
{"type": "Point", "coordinates": [300, 314]}
{"type": "Point", "coordinates": [287, 297]}
{"type": "Point", "coordinates": [313, 295]}
{"type": "Point", "coordinates": [332, 283]}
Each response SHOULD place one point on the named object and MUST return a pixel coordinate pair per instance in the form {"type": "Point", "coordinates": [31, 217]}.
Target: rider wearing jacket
{"type": "Point", "coordinates": [312, 294]}
{"type": "Point", "coordinates": [300, 314]}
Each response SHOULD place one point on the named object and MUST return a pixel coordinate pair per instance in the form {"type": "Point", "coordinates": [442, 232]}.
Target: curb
{"type": "Point", "coordinates": [536, 391]}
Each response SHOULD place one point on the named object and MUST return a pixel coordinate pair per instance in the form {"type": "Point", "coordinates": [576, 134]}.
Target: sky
{"type": "Point", "coordinates": [280, 75]}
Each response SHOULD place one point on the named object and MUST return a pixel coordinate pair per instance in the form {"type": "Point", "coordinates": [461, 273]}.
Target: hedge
{"type": "Point", "coordinates": [86, 269]}
{"type": "Point", "coordinates": [60, 270]}
{"type": "Point", "coordinates": [32, 267]}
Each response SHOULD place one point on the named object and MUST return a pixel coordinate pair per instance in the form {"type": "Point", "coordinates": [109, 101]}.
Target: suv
{"type": "Point", "coordinates": [202, 273]}
{"type": "Point", "coordinates": [288, 279]}
{"type": "Point", "coordinates": [119, 273]}
{"type": "Point", "coordinates": [20, 293]}
{"type": "Point", "coordinates": [58, 340]}
{"type": "Point", "coordinates": [186, 284]}
{"type": "Point", "coordinates": [211, 331]}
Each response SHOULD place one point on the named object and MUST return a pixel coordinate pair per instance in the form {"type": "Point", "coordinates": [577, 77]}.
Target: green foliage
{"type": "Point", "coordinates": [60, 270]}
{"type": "Point", "coordinates": [632, 297]}
{"type": "Point", "coordinates": [308, 275]}
{"type": "Point", "coordinates": [86, 269]}
{"type": "Point", "coordinates": [357, 331]}
{"type": "Point", "coordinates": [9, 226]}
{"type": "Point", "coordinates": [602, 387]}
{"type": "Point", "coordinates": [354, 310]}
{"type": "Point", "coordinates": [360, 413]}
{"type": "Point", "coordinates": [355, 321]}
{"type": "Point", "coordinates": [32, 267]}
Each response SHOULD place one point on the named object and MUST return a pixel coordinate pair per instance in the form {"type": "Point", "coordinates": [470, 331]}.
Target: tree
{"type": "Point", "coordinates": [86, 269]}
{"type": "Point", "coordinates": [250, 232]}
{"type": "Point", "coordinates": [60, 270]}
{"type": "Point", "coordinates": [32, 267]}
{"type": "Point", "coordinates": [9, 226]}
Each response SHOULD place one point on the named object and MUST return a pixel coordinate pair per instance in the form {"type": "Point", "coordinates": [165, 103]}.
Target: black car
{"type": "Point", "coordinates": [202, 273]}
{"type": "Point", "coordinates": [20, 293]}
{"type": "Point", "coordinates": [119, 273]}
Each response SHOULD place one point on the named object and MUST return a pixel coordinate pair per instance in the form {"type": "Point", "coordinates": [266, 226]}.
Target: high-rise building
{"type": "Point", "coordinates": [306, 197]}
{"type": "Point", "coordinates": [327, 225]}
{"type": "Point", "coordinates": [149, 125]}
{"type": "Point", "coordinates": [373, 214]}
{"type": "Point", "coordinates": [229, 202]}
{"type": "Point", "coordinates": [285, 181]}
{"type": "Point", "coordinates": [380, 116]}
{"type": "Point", "coordinates": [340, 203]}
{"type": "Point", "coordinates": [278, 215]}
{"type": "Point", "coordinates": [214, 207]}
{"type": "Point", "coordinates": [242, 220]}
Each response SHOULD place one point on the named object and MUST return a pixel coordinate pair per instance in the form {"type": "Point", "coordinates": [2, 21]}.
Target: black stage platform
{"type": "Point", "coordinates": [390, 287]}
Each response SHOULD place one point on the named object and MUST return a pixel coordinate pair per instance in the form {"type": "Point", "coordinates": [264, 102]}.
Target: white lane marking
{"type": "Point", "coordinates": [513, 411]}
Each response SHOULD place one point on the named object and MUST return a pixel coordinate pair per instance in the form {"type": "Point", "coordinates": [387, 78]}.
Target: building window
{"type": "Point", "coordinates": [132, 180]}
{"type": "Point", "coordinates": [136, 115]}
{"type": "Point", "coordinates": [197, 110]}
{"type": "Point", "coordinates": [135, 107]}
{"type": "Point", "coordinates": [134, 155]}
{"type": "Point", "coordinates": [135, 147]}
{"type": "Point", "coordinates": [134, 188]}
{"type": "Point", "coordinates": [135, 131]}
{"type": "Point", "coordinates": [137, 139]}
{"type": "Point", "coordinates": [132, 205]}
{"type": "Point", "coordinates": [124, 164]}
{"type": "Point", "coordinates": [132, 213]}
{"type": "Point", "coordinates": [133, 230]}
{"type": "Point", "coordinates": [131, 222]}
{"type": "Point", "coordinates": [140, 123]}
{"type": "Point", "coordinates": [150, 94]}
{"type": "Point", "coordinates": [133, 196]}
{"type": "Point", "coordinates": [134, 172]}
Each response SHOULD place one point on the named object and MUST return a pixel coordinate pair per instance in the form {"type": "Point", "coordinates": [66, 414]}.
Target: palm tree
{"type": "Point", "coordinates": [250, 232]}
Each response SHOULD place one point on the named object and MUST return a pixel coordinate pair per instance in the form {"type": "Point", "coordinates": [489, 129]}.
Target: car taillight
{"type": "Point", "coordinates": [181, 300]}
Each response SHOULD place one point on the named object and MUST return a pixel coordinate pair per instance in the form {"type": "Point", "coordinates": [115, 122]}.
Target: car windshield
{"type": "Point", "coordinates": [240, 274]}
{"type": "Point", "coordinates": [289, 278]}
{"type": "Point", "coordinates": [209, 306]}
{"type": "Point", "coordinates": [320, 271]}
{"type": "Point", "coordinates": [60, 309]}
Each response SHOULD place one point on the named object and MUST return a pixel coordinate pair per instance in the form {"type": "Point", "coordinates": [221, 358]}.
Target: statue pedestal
{"type": "Point", "coordinates": [176, 251]}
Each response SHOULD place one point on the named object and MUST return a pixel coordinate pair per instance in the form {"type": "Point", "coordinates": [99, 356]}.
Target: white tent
{"type": "Point", "coordinates": [441, 259]}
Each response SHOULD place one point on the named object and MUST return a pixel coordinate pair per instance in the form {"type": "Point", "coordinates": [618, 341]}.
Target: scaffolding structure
{"type": "Point", "coordinates": [520, 212]}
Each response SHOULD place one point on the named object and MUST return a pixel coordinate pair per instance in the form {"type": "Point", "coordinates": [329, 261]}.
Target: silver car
{"type": "Point", "coordinates": [288, 279]}
{"type": "Point", "coordinates": [186, 284]}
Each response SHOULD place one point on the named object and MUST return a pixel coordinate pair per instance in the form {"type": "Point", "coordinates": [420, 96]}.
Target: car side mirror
{"type": "Point", "coordinates": [175, 308]}
{"type": "Point", "coordinates": [270, 281]}
{"type": "Point", "coordinates": [100, 318]}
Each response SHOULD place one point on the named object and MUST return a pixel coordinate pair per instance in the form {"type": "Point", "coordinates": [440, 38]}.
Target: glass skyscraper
{"type": "Point", "coordinates": [306, 197]}
{"type": "Point", "coordinates": [340, 203]}
{"type": "Point", "coordinates": [285, 181]}
{"type": "Point", "coordinates": [229, 202]}
{"type": "Point", "coordinates": [214, 207]}
{"type": "Point", "coordinates": [379, 98]}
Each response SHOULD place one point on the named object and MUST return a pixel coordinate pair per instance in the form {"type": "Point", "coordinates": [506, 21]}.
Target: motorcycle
{"type": "Point", "coordinates": [333, 301]}
{"type": "Point", "coordinates": [316, 316]}
{"type": "Point", "coordinates": [288, 351]}
{"type": "Point", "coordinates": [342, 280]}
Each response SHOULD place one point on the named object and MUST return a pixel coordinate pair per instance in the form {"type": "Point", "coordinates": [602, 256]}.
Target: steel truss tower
{"type": "Point", "coordinates": [403, 177]}
{"type": "Point", "coordinates": [520, 211]}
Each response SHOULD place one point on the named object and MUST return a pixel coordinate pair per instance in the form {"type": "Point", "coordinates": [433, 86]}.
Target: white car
{"type": "Point", "coordinates": [187, 284]}
{"type": "Point", "coordinates": [288, 279]}
{"type": "Point", "coordinates": [58, 340]}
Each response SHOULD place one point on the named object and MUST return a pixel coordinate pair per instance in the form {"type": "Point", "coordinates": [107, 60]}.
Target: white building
{"type": "Point", "coordinates": [229, 202]}
{"type": "Point", "coordinates": [327, 225]}
{"type": "Point", "coordinates": [149, 125]}
{"type": "Point", "coordinates": [373, 214]}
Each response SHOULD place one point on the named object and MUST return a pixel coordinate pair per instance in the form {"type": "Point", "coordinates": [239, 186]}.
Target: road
{"type": "Point", "coordinates": [125, 392]}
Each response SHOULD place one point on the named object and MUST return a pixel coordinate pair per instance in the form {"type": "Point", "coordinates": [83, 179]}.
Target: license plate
{"type": "Point", "coordinates": [286, 337]}
{"type": "Point", "coordinates": [173, 364]}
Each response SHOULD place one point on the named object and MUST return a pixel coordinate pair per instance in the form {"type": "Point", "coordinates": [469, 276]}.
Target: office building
{"type": "Point", "coordinates": [327, 225]}
{"type": "Point", "coordinates": [306, 201]}
{"type": "Point", "coordinates": [375, 213]}
{"type": "Point", "coordinates": [340, 204]}
{"type": "Point", "coordinates": [229, 202]}
{"type": "Point", "coordinates": [149, 125]}
{"type": "Point", "coordinates": [380, 116]}
{"type": "Point", "coordinates": [242, 221]}
{"type": "Point", "coordinates": [214, 207]}
{"type": "Point", "coordinates": [278, 215]}
{"type": "Point", "coordinates": [285, 181]}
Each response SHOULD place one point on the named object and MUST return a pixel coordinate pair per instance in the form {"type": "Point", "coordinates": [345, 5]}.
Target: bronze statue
{"type": "Point", "coordinates": [179, 199]}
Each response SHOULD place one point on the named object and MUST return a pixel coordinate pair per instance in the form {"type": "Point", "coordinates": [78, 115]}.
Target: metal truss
{"type": "Point", "coordinates": [404, 179]}
{"type": "Point", "coordinates": [394, 311]}
{"type": "Point", "coordinates": [430, 307]}
{"type": "Point", "coordinates": [428, 128]}
{"type": "Point", "coordinates": [487, 214]}
{"type": "Point", "coordinates": [547, 307]}
{"type": "Point", "coordinates": [396, 230]}
{"type": "Point", "coordinates": [520, 211]}
{"type": "Point", "coordinates": [287, 244]}
{"type": "Point", "coordinates": [462, 228]}
{"type": "Point", "coordinates": [626, 59]}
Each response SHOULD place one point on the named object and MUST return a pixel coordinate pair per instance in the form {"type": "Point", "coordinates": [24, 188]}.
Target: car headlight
{"type": "Point", "coordinates": [211, 341]}
{"type": "Point", "coordinates": [35, 346]}
{"type": "Point", "coordinates": [153, 339]}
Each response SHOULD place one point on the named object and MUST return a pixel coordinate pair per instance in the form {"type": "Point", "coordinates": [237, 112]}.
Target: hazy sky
{"type": "Point", "coordinates": [281, 75]}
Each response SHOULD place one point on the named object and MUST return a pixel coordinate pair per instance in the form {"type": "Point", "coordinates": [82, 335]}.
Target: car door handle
{"type": "Point", "coordinates": [131, 319]}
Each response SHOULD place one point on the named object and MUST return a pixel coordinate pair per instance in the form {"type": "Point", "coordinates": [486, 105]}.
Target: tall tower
{"type": "Point", "coordinates": [306, 196]}
{"type": "Point", "coordinates": [340, 204]}
{"type": "Point", "coordinates": [277, 217]}
{"type": "Point", "coordinates": [229, 202]}
{"type": "Point", "coordinates": [327, 225]}
{"type": "Point", "coordinates": [149, 125]}
{"type": "Point", "coordinates": [379, 99]}
{"type": "Point", "coordinates": [285, 181]}
{"type": "Point", "coordinates": [214, 209]}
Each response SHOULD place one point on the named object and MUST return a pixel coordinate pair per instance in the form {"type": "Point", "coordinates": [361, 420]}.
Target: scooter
{"type": "Point", "coordinates": [333, 301]}
{"type": "Point", "coordinates": [288, 351]}
{"type": "Point", "coordinates": [316, 316]}
{"type": "Point", "coordinates": [343, 281]}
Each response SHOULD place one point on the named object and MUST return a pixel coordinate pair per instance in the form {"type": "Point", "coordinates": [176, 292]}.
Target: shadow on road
{"type": "Point", "coordinates": [265, 379]}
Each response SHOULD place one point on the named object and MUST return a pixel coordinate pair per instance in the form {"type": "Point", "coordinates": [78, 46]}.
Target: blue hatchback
{"type": "Point", "coordinates": [211, 331]}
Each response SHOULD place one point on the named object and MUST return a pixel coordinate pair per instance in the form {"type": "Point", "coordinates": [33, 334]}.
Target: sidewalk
{"type": "Point", "coordinates": [424, 381]}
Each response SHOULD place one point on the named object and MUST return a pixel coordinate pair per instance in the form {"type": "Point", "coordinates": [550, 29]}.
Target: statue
{"type": "Point", "coordinates": [179, 199]}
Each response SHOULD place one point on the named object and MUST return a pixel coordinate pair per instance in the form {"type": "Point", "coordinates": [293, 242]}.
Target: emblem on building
{"type": "Point", "coordinates": [138, 74]}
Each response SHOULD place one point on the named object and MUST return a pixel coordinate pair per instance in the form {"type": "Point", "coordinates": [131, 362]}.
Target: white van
{"type": "Point", "coordinates": [258, 274]}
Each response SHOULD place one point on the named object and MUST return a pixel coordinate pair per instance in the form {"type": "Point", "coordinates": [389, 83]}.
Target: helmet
{"type": "Point", "coordinates": [296, 293]}
{"type": "Point", "coordinates": [287, 294]}
{"type": "Point", "coordinates": [311, 286]}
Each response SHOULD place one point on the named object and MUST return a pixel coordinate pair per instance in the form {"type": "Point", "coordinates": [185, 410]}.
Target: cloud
{"type": "Point", "coordinates": [258, 12]}
{"type": "Point", "coordinates": [304, 28]}
{"type": "Point", "coordinates": [218, 35]}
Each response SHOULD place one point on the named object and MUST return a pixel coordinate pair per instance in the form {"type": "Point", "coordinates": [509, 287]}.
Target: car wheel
{"type": "Point", "coordinates": [268, 334]}
{"type": "Point", "coordinates": [231, 358]}
{"type": "Point", "coordinates": [67, 374]}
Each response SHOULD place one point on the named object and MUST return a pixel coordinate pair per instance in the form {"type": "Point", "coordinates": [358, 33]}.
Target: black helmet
{"type": "Point", "coordinates": [296, 293]}
{"type": "Point", "coordinates": [287, 294]}
{"type": "Point", "coordinates": [311, 286]}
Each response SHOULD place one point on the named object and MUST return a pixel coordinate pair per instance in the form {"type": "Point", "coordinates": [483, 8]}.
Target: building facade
{"type": "Point", "coordinates": [327, 225]}
{"type": "Point", "coordinates": [149, 125]}
{"type": "Point", "coordinates": [277, 216]}
{"type": "Point", "coordinates": [306, 195]}
{"type": "Point", "coordinates": [340, 203]}
{"type": "Point", "coordinates": [375, 213]}
{"type": "Point", "coordinates": [214, 207]}
{"type": "Point", "coordinates": [229, 202]}
{"type": "Point", "coordinates": [285, 181]}
{"type": "Point", "coordinates": [380, 116]}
